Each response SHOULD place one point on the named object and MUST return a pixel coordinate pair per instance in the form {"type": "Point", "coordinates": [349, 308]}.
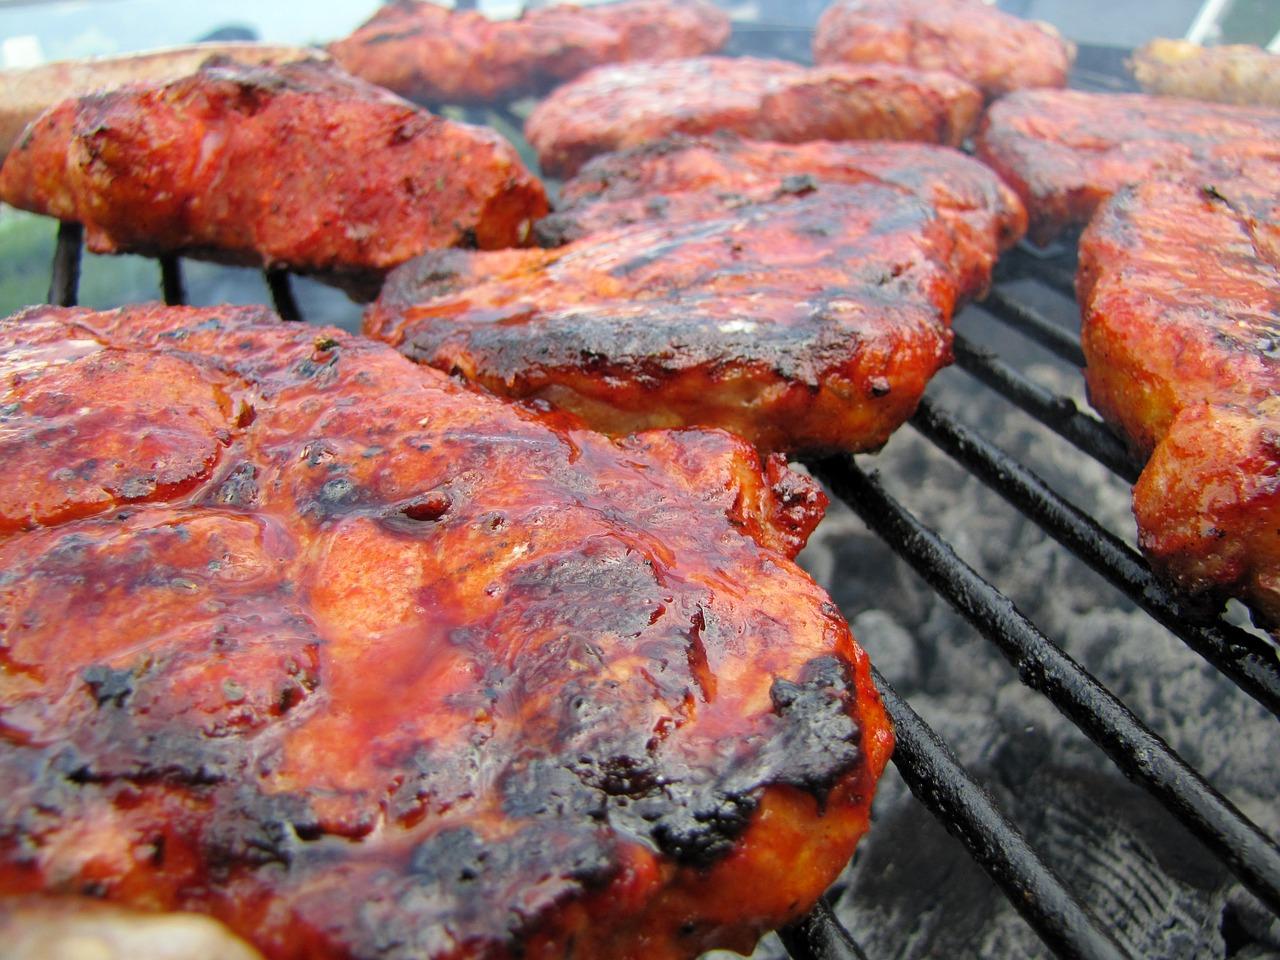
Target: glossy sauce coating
{"type": "Point", "coordinates": [298, 165]}
{"type": "Point", "coordinates": [432, 54]}
{"type": "Point", "coordinates": [1065, 151]}
{"type": "Point", "coordinates": [1180, 287]}
{"type": "Point", "coordinates": [808, 322]}
{"type": "Point", "coordinates": [618, 107]}
{"type": "Point", "coordinates": [409, 671]}
{"type": "Point", "coordinates": [993, 50]}
{"type": "Point", "coordinates": [683, 177]}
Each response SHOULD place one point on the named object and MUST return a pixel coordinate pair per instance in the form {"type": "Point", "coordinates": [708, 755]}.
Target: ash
{"type": "Point", "coordinates": [912, 890]}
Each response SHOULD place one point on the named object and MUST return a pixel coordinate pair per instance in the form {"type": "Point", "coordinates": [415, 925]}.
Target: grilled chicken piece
{"type": "Point", "coordinates": [613, 108]}
{"type": "Point", "coordinates": [809, 322]}
{"type": "Point", "coordinates": [1180, 287]}
{"type": "Point", "coordinates": [363, 663]}
{"type": "Point", "coordinates": [435, 55]}
{"type": "Point", "coordinates": [1235, 73]}
{"type": "Point", "coordinates": [683, 178]}
{"type": "Point", "coordinates": [993, 50]}
{"type": "Point", "coordinates": [298, 165]}
{"type": "Point", "coordinates": [25, 94]}
{"type": "Point", "coordinates": [1065, 151]}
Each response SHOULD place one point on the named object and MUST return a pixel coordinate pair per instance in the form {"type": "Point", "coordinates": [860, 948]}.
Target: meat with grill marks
{"type": "Point", "coordinates": [809, 322]}
{"type": "Point", "coordinates": [298, 165]}
{"type": "Point", "coordinates": [618, 107]}
{"type": "Point", "coordinates": [1180, 287]}
{"type": "Point", "coordinates": [1231, 73]}
{"type": "Point", "coordinates": [993, 50]}
{"type": "Point", "coordinates": [1065, 151]}
{"type": "Point", "coordinates": [363, 663]}
{"type": "Point", "coordinates": [432, 54]}
{"type": "Point", "coordinates": [687, 177]}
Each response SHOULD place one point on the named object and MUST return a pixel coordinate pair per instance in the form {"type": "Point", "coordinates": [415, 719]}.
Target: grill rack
{"type": "Point", "coordinates": [927, 765]}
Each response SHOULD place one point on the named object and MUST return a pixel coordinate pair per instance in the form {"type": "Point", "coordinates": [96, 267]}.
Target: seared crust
{"type": "Point", "coordinates": [1180, 286]}
{"type": "Point", "coordinates": [1233, 73]}
{"type": "Point", "coordinates": [1065, 151]}
{"type": "Point", "coordinates": [810, 322]}
{"type": "Point", "coordinates": [614, 108]}
{"type": "Point", "coordinates": [409, 671]}
{"type": "Point", "coordinates": [436, 55]}
{"type": "Point", "coordinates": [681, 178]}
{"type": "Point", "coordinates": [993, 50]}
{"type": "Point", "coordinates": [298, 165]}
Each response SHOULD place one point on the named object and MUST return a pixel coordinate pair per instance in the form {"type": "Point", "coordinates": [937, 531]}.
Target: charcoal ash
{"type": "Point", "coordinates": [914, 891]}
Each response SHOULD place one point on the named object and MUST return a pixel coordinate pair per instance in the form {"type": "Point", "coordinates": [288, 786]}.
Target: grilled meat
{"type": "Point", "coordinates": [1065, 151]}
{"type": "Point", "coordinates": [685, 177]}
{"type": "Point", "coordinates": [363, 663]}
{"type": "Point", "coordinates": [809, 322]}
{"type": "Point", "coordinates": [27, 93]}
{"type": "Point", "coordinates": [435, 55]}
{"type": "Point", "coordinates": [1180, 287]}
{"type": "Point", "coordinates": [1236, 73]}
{"type": "Point", "coordinates": [298, 165]}
{"type": "Point", "coordinates": [993, 50]}
{"type": "Point", "coordinates": [613, 108]}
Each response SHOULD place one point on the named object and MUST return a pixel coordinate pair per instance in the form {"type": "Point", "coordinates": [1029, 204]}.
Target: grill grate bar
{"type": "Point", "coordinates": [938, 781]}
{"type": "Point", "coordinates": [282, 295]}
{"type": "Point", "coordinates": [64, 281]}
{"type": "Point", "coordinates": [1035, 325]}
{"type": "Point", "coordinates": [171, 285]}
{"type": "Point", "coordinates": [819, 936]}
{"type": "Point", "coordinates": [1249, 853]}
{"type": "Point", "coordinates": [1087, 433]}
{"type": "Point", "coordinates": [1250, 662]}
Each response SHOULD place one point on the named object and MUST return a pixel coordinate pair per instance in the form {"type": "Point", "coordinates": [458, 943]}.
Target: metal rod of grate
{"type": "Point", "coordinates": [1249, 853]}
{"type": "Point", "coordinates": [64, 278]}
{"type": "Point", "coordinates": [1087, 433]}
{"type": "Point", "coordinates": [171, 286]}
{"type": "Point", "coordinates": [1012, 312]}
{"type": "Point", "coordinates": [1249, 661]}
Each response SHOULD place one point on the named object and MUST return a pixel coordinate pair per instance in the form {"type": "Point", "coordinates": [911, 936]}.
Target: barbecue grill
{"type": "Point", "coordinates": [1030, 316]}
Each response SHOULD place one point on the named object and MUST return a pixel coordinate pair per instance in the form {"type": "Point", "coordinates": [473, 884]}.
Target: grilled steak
{"type": "Point", "coordinates": [1065, 152]}
{"type": "Point", "coordinates": [994, 51]}
{"type": "Point", "coordinates": [298, 165]}
{"type": "Point", "coordinates": [366, 664]}
{"type": "Point", "coordinates": [1234, 73]}
{"type": "Point", "coordinates": [435, 55]}
{"type": "Point", "coordinates": [683, 178]}
{"type": "Point", "coordinates": [613, 108]}
{"type": "Point", "coordinates": [808, 322]}
{"type": "Point", "coordinates": [1180, 287]}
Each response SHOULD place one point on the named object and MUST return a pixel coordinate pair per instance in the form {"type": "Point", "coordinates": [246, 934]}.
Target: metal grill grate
{"type": "Point", "coordinates": [924, 761]}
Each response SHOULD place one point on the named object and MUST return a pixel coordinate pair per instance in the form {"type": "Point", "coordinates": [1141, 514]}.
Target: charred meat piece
{"type": "Point", "coordinates": [1180, 287]}
{"type": "Point", "coordinates": [298, 165]}
{"type": "Point", "coordinates": [27, 93]}
{"type": "Point", "coordinates": [1235, 73]}
{"type": "Point", "coordinates": [808, 322]}
{"type": "Point", "coordinates": [436, 55]}
{"type": "Point", "coordinates": [401, 670]}
{"type": "Point", "coordinates": [1065, 151]}
{"type": "Point", "coordinates": [993, 50]}
{"type": "Point", "coordinates": [613, 108]}
{"type": "Point", "coordinates": [685, 177]}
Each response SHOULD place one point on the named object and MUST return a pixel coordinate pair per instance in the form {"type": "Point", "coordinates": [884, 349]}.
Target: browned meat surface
{"type": "Point", "coordinates": [993, 50]}
{"type": "Point", "coordinates": [435, 55]}
{"type": "Point", "coordinates": [686, 177]}
{"type": "Point", "coordinates": [363, 663]}
{"type": "Point", "coordinates": [810, 322]}
{"type": "Point", "coordinates": [1180, 286]}
{"type": "Point", "coordinates": [613, 108]}
{"type": "Point", "coordinates": [1065, 151]}
{"type": "Point", "coordinates": [1235, 73]}
{"type": "Point", "coordinates": [298, 165]}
